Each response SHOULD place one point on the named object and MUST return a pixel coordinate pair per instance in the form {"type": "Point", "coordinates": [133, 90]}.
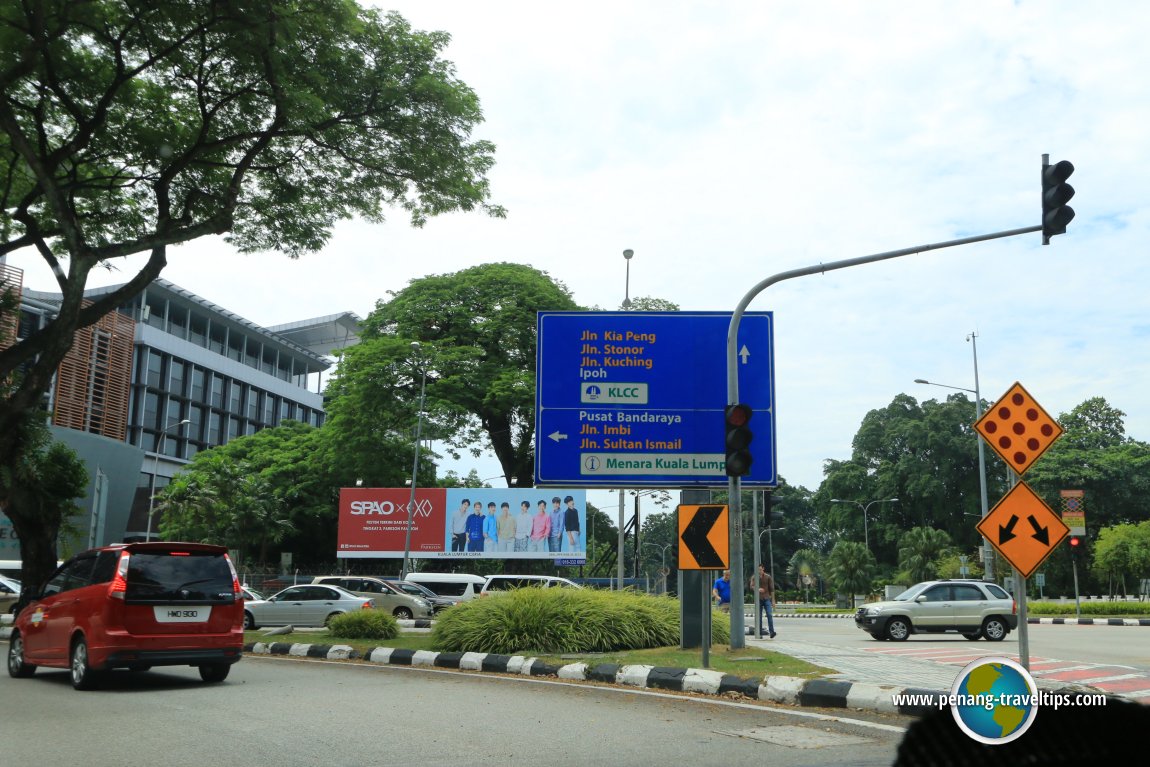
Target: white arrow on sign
{"type": "Point", "coordinates": [557, 436]}
{"type": "Point", "coordinates": [744, 353]}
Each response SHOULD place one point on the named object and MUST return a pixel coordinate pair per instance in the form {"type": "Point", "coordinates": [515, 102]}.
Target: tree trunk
{"type": "Point", "coordinates": [37, 537]}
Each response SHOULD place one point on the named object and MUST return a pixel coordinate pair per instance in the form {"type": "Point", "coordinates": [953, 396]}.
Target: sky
{"type": "Point", "coordinates": [727, 142]}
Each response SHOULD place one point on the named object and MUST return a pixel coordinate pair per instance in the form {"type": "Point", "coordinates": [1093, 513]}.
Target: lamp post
{"type": "Point", "coordinates": [771, 546]}
{"type": "Point", "coordinates": [987, 549]}
{"type": "Point", "coordinates": [621, 543]}
{"type": "Point", "coordinates": [627, 254]}
{"type": "Point", "coordinates": [156, 470]}
{"type": "Point", "coordinates": [866, 535]}
{"type": "Point", "coordinates": [663, 562]}
{"type": "Point", "coordinates": [415, 464]}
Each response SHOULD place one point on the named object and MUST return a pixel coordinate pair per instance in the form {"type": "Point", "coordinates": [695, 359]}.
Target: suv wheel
{"type": "Point", "coordinates": [214, 672]}
{"type": "Point", "coordinates": [403, 613]}
{"type": "Point", "coordinates": [897, 629]}
{"type": "Point", "coordinates": [994, 629]}
{"type": "Point", "coordinates": [17, 668]}
{"type": "Point", "coordinates": [83, 675]}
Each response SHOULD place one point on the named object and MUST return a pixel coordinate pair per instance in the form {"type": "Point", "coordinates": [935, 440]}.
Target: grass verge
{"type": "Point", "coordinates": [748, 663]}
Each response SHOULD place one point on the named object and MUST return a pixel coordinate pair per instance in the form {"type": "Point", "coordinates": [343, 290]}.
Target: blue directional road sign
{"type": "Point", "coordinates": [636, 399]}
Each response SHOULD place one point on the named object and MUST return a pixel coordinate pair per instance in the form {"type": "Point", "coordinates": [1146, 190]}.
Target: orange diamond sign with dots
{"type": "Point", "coordinates": [1018, 429]}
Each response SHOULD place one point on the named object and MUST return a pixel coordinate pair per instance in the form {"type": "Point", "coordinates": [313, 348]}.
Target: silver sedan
{"type": "Point", "coordinates": [307, 605]}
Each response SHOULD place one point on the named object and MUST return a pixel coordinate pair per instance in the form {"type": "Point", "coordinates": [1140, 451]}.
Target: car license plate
{"type": "Point", "coordinates": [183, 614]}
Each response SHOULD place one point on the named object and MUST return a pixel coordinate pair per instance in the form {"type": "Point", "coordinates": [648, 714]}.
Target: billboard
{"type": "Point", "coordinates": [477, 523]}
{"type": "Point", "coordinates": [9, 544]}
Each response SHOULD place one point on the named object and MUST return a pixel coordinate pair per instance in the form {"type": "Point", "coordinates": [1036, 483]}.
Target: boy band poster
{"type": "Point", "coordinates": [485, 523]}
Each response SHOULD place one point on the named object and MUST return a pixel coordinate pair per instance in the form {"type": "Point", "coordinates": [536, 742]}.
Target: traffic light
{"type": "Point", "coordinates": [1075, 543]}
{"type": "Point", "coordinates": [738, 441]}
{"type": "Point", "coordinates": [1056, 214]}
{"type": "Point", "coordinates": [770, 513]}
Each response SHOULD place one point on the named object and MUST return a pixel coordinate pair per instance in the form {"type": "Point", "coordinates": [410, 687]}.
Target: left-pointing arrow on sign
{"type": "Point", "coordinates": [555, 435]}
{"type": "Point", "coordinates": [695, 537]}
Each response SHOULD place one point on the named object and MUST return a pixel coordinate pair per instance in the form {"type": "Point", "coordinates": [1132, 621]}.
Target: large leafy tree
{"type": "Point", "coordinates": [850, 567]}
{"type": "Point", "coordinates": [251, 493]}
{"type": "Point", "coordinates": [128, 126]}
{"type": "Point", "coordinates": [1095, 455]}
{"type": "Point", "coordinates": [926, 455]}
{"type": "Point", "coordinates": [1121, 551]}
{"type": "Point", "coordinates": [920, 551]}
{"type": "Point", "coordinates": [44, 482]}
{"type": "Point", "coordinates": [477, 330]}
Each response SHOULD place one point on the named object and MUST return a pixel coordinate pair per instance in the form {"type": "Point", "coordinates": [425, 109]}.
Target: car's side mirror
{"type": "Point", "coordinates": [920, 598]}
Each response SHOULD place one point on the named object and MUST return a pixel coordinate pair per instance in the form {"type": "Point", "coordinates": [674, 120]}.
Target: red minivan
{"type": "Point", "coordinates": [134, 606]}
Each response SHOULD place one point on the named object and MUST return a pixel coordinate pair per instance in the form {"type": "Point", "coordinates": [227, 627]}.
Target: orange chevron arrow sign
{"type": "Point", "coordinates": [704, 537]}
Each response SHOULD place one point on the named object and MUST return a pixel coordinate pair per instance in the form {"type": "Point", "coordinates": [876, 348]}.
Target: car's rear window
{"type": "Point", "coordinates": [448, 588]}
{"type": "Point", "coordinates": [995, 591]}
{"type": "Point", "coordinates": [179, 577]}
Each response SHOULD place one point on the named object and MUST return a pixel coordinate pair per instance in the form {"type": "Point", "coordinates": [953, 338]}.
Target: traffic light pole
{"type": "Point", "coordinates": [738, 638]}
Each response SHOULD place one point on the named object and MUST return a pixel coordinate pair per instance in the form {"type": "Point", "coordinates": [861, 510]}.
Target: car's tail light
{"type": "Point", "coordinates": [237, 591]}
{"type": "Point", "coordinates": [120, 580]}
{"type": "Point", "coordinates": [368, 605]}
{"type": "Point", "coordinates": [1013, 607]}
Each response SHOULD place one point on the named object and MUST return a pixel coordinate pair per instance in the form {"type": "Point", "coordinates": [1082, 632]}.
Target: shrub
{"type": "Point", "coordinates": [1091, 608]}
{"type": "Point", "coordinates": [363, 624]}
{"type": "Point", "coordinates": [559, 620]}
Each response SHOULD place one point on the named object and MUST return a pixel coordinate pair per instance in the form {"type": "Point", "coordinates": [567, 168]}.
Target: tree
{"type": "Point", "coordinates": [38, 492]}
{"type": "Point", "coordinates": [1095, 456]}
{"type": "Point", "coordinates": [478, 331]}
{"type": "Point", "coordinates": [127, 127]}
{"type": "Point", "coordinates": [1123, 550]}
{"type": "Point", "coordinates": [920, 550]}
{"type": "Point", "coordinates": [850, 567]}
{"type": "Point", "coordinates": [804, 569]}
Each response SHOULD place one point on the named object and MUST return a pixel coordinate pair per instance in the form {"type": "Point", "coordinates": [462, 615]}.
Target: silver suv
{"type": "Point", "coordinates": [384, 595]}
{"type": "Point", "coordinates": [973, 608]}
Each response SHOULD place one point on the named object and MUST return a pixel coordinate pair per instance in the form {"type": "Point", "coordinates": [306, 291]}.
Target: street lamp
{"type": "Point", "coordinates": [156, 470]}
{"type": "Point", "coordinates": [988, 551]}
{"type": "Point", "coordinates": [866, 535]}
{"type": "Point", "coordinates": [415, 465]}
{"type": "Point", "coordinates": [627, 254]}
{"type": "Point", "coordinates": [771, 546]}
{"type": "Point", "coordinates": [663, 572]}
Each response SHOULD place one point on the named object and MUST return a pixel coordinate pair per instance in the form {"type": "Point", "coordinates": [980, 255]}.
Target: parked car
{"type": "Point", "coordinates": [250, 595]}
{"type": "Point", "coordinates": [437, 602]}
{"type": "Point", "coordinates": [973, 608]}
{"type": "Point", "coordinates": [307, 605]}
{"type": "Point", "coordinates": [497, 583]}
{"type": "Point", "coordinates": [383, 594]}
{"type": "Point", "coordinates": [9, 593]}
{"type": "Point", "coordinates": [133, 606]}
{"type": "Point", "coordinates": [459, 586]}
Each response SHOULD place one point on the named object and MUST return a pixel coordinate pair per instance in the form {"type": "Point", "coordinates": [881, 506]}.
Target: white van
{"type": "Point", "coordinates": [457, 586]}
{"type": "Point", "coordinates": [497, 583]}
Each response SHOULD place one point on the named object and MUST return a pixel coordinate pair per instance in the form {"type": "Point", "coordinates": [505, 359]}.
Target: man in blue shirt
{"type": "Point", "coordinates": [490, 530]}
{"type": "Point", "coordinates": [555, 539]}
{"type": "Point", "coordinates": [475, 528]}
{"type": "Point", "coordinates": [722, 591]}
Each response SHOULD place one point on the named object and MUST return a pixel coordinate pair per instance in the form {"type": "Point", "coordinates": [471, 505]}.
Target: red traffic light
{"type": "Point", "coordinates": [738, 415]}
{"type": "Point", "coordinates": [1074, 540]}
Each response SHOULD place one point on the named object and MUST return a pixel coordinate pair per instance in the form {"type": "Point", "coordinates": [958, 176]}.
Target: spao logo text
{"type": "Point", "coordinates": [623, 392]}
{"type": "Point", "coordinates": [387, 508]}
